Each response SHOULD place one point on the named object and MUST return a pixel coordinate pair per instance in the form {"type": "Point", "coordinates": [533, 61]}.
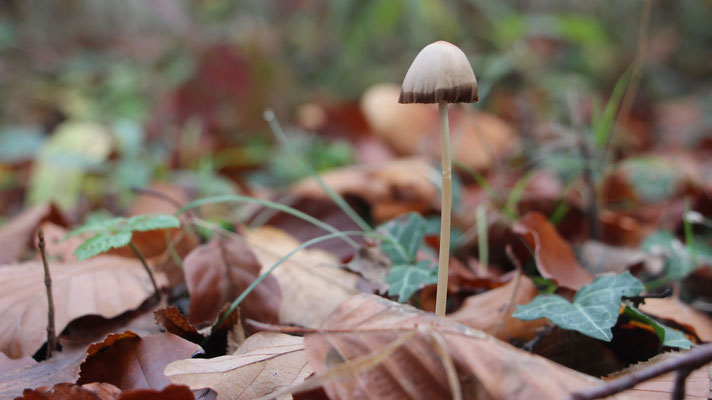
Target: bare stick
{"type": "Point", "coordinates": [684, 364]}
{"type": "Point", "coordinates": [444, 256]}
{"type": "Point", "coordinates": [138, 254]}
{"type": "Point", "coordinates": [51, 335]}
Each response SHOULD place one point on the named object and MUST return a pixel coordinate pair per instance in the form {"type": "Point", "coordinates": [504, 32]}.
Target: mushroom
{"type": "Point", "coordinates": [441, 74]}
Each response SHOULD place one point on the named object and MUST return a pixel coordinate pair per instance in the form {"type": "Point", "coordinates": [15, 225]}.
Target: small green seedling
{"type": "Point", "coordinates": [117, 232]}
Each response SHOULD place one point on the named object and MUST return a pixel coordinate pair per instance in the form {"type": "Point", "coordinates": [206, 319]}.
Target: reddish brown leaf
{"type": "Point", "coordinates": [365, 325]}
{"type": "Point", "coordinates": [18, 234]}
{"type": "Point", "coordinates": [697, 385]}
{"type": "Point", "coordinates": [70, 391]}
{"type": "Point", "coordinates": [170, 392]}
{"type": "Point", "coordinates": [130, 362]}
{"type": "Point", "coordinates": [492, 311]}
{"type": "Point", "coordinates": [217, 272]}
{"type": "Point", "coordinates": [104, 285]}
{"type": "Point", "coordinates": [554, 257]}
{"type": "Point", "coordinates": [178, 324]}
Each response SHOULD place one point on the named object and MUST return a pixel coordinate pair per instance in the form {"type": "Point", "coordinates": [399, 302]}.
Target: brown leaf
{"type": "Point", "coordinates": [310, 283]}
{"type": "Point", "coordinates": [600, 258]}
{"type": "Point", "coordinates": [7, 364]}
{"type": "Point", "coordinates": [697, 385]}
{"type": "Point", "coordinates": [170, 392]}
{"type": "Point", "coordinates": [57, 248]}
{"type": "Point", "coordinates": [674, 309]}
{"type": "Point", "coordinates": [62, 367]}
{"type": "Point", "coordinates": [18, 234]}
{"type": "Point", "coordinates": [491, 311]}
{"type": "Point", "coordinates": [217, 272]}
{"type": "Point", "coordinates": [390, 189]}
{"type": "Point", "coordinates": [178, 324]}
{"type": "Point", "coordinates": [130, 362]}
{"type": "Point", "coordinates": [104, 285]}
{"type": "Point", "coordinates": [264, 363]}
{"type": "Point", "coordinates": [487, 367]}
{"type": "Point", "coordinates": [70, 391]}
{"type": "Point", "coordinates": [553, 255]}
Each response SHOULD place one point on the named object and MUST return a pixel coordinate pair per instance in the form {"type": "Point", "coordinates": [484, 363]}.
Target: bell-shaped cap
{"type": "Point", "coordinates": [439, 73]}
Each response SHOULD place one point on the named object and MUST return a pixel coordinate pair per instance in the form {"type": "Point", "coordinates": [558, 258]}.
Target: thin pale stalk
{"type": "Point", "coordinates": [444, 255]}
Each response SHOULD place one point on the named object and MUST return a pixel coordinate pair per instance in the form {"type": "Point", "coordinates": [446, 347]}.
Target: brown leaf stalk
{"type": "Point", "coordinates": [141, 258]}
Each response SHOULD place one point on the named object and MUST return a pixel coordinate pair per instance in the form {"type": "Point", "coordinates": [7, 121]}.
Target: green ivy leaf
{"type": "Point", "coordinates": [404, 280]}
{"type": "Point", "coordinates": [406, 234]}
{"type": "Point", "coordinates": [668, 336]}
{"type": "Point", "coordinates": [594, 310]}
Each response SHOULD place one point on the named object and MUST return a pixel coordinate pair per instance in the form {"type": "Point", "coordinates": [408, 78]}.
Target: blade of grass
{"type": "Point", "coordinates": [235, 198]}
{"type": "Point", "coordinates": [284, 141]}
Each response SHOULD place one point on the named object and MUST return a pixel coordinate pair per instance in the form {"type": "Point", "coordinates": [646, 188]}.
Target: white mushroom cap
{"type": "Point", "coordinates": [439, 73]}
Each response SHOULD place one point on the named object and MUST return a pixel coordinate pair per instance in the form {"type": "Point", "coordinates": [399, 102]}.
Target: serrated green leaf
{"type": "Point", "coordinates": [102, 225]}
{"type": "Point", "coordinates": [149, 222]}
{"type": "Point", "coordinates": [100, 243]}
{"type": "Point", "coordinates": [406, 235]}
{"type": "Point", "coordinates": [404, 280]}
{"type": "Point", "coordinates": [594, 310]}
{"type": "Point", "coordinates": [668, 336]}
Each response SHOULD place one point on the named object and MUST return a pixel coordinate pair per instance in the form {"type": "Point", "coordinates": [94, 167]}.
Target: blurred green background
{"type": "Point", "coordinates": [98, 96]}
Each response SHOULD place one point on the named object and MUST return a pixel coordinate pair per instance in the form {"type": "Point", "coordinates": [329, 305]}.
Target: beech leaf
{"type": "Point", "coordinates": [594, 310]}
{"type": "Point", "coordinates": [265, 362]}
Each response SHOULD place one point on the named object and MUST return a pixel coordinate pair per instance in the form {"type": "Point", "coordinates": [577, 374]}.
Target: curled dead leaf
{"type": "Point", "coordinates": [554, 257]}
{"type": "Point", "coordinates": [131, 362]}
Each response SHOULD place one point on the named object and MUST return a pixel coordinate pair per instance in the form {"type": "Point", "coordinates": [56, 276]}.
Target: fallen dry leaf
{"type": "Point", "coordinates": [490, 312]}
{"type": "Point", "coordinates": [486, 367]}
{"type": "Point", "coordinates": [176, 323]}
{"type": "Point", "coordinates": [264, 363]}
{"type": "Point", "coordinates": [62, 367]}
{"type": "Point", "coordinates": [391, 189]}
{"type": "Point", "coordinates": [600, 258]}
{"type": "Point", "coordinates": [18, 234]}
{"type": "Point", "coordinates": [105, 391]}
{"type": "Point", "coordinates": [554, 257]}
{"type": "Point", "coordinates": [131, 362]}
{"type": "Point", "coordinates": [697, 385]}
{"type": "Point", "coordinates": [104, 285]}
{"type": "Point", "coordinates": [217, 272]}
{"type": "Point", "coordinates": [311, 284]}
{"type": "Point", "coordinates": [675, 310]}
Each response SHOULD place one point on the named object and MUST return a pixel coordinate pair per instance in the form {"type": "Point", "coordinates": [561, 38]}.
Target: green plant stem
{"type": "Point", "coordinates": [148, 270]}
{"type": "Point", "coordinates": [284, 141]}
{"type": "Point", "coordinates": [444, 254]}
{"type": "Point", "coordinates": [235, 198]}
{"type": "Point", "coordinates": [51, 334]}
{"type": "Point", "coordinates": [279, 262]}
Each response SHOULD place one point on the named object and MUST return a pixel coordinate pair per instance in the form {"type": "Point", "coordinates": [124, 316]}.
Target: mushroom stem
{"type": "Point", "coordinates": [444, 255]}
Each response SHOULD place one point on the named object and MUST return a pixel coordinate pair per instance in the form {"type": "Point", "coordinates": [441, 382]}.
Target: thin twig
{"type": "Point", "coordinates": [138, 254]}
{"type": "Point", "coordinates": [686, 363]}
{"type": "Point", "coordinates": [515, 288]}
{"type": "Point", "coordinates": [51, 335]}
{"type": "Point", "coordinates": [590, 182]}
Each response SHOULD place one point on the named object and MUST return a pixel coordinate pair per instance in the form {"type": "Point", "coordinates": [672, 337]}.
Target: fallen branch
{"type": "Point", "coordinates": [684, 365]}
